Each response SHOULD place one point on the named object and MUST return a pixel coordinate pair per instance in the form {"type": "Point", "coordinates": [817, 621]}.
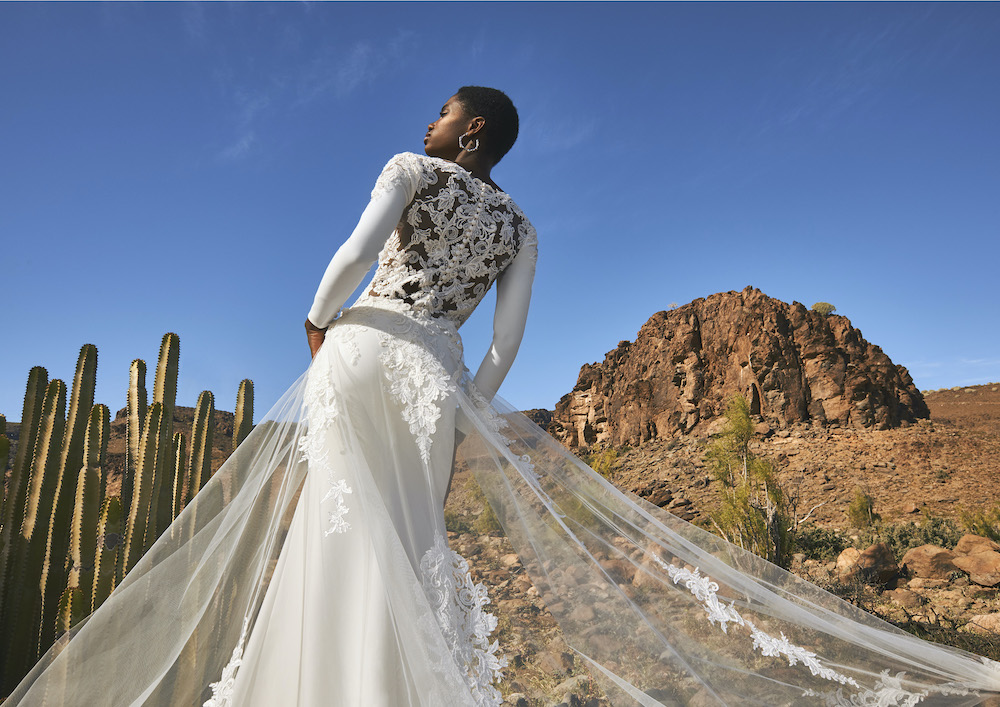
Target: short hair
{"type": "Point", "coordinates": [499, 112]}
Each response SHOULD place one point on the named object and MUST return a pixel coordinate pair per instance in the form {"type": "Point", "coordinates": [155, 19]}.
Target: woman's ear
{"type": "Point", "coordinates": [476, 124]}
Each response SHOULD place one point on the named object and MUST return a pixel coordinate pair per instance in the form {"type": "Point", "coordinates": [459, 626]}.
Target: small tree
{"type": "Point", "coordinates": [755, 513]}
{"type": "Point", "coordinates": [824, 308]}
{"type": "Point", "coordinates": [861, 511]}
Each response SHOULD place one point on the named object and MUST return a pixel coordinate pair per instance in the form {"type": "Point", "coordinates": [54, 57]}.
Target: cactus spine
{"type": "Point", "coordinates": [179, 476]}
{"type": "Point", "coordinates": [244, 412]}
{"type": "Point", "coordinates": [83, 536]}
{"type": "Point", "coordinates": [23, 606]}
{"type": "Point", "coordinates": [202, 433]}
{"type": "Point", "coordinates": [136, 416]}
{"type": "Point", "coordinates": [55, 570]}
{"type": "Point", "coordinates": [165, 393]}
{"type": "Point", "coordinates": [13, 509]}
{"type": "Point", "coordinates": [109, 546]}
{"type": "Point", "coordinates": [139, 513]}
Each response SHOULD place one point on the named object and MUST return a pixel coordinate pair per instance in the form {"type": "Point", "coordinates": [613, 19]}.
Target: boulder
{"type": "Point", "coordinates": [792, 364]}
{"type": "Point", "coordinates": [983, 567]}
{"type": "Point", "coordinates": [985, 623]}
{"type": "Point", "coordinates": [971, 544]}
{"type": "Point", "coordinates": [930, 562]}
{"type": "Point", "coordinates": [847, 563]}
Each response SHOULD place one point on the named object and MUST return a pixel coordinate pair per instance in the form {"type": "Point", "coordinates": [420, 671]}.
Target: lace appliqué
{"type": "Point", "coordinates": [887, 692]}
{"type": "Point", "coordinates": [458, 607]}
{"type": "Point", "coordinates": [455, 238]}
{"type": "Point", "coordinates": [222, 691]}
{"type": "Point", "coordinates": [417, 381]}
{"type": "Point", "coordinates": [706, 591]}
{"type": "Point", "coordinates": [323, 408]}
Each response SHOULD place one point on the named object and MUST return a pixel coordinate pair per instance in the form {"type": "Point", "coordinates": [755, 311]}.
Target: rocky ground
{"type": "Point", "coordinates": [925, 473]}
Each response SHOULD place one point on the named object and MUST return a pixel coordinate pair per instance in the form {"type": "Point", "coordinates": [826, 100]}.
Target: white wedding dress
{"type": "Point", "coordinates": [313, 568]}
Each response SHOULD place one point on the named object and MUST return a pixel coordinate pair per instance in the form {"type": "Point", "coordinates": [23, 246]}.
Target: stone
{"type": "Point", "coordinates": [582, 613]}
{"type": "Point", "coordinates": [910, 508]}
{"type": "Point", "coordinates": [793, 365]}
{"type": "Point", "coordinates": [930, 562]}
{"type": "Point", "coordinates": [906, 598]}
{"type": "Point", "coordinates": [878, 564]}
{"type": "Point", "coordinates": [983, 567]}
{"type": "Point", "coordinates": [971, 544]}
{"type": "Point", "coordinates": [984, 623]}
{"type": "Point", "coordinates": [847, 563]}
{"type": "Point", "coordinates": [511, 560]}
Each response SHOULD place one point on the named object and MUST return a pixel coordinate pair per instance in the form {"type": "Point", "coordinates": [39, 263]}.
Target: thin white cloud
{"type": "Point", "coordinates": [240, 148]}
{"type": "Point", "coordinates": [195, 24]}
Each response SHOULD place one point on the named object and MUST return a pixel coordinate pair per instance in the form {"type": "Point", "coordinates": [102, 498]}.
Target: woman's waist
{"type": "Point", "coordinates": [398, 317]}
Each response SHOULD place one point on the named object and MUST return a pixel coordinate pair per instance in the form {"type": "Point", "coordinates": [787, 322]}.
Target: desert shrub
{"type": "Point", "coordinates": [819, 543]}
{"type": "Point", "coordinates": [983, 522]}
{"type": "Point", "coordinates": [755, 511]}
{"type": "Point", "coordinates": [861, 511]}
{"type": "Point", "coordinates": [603, 461]}
{"type": "Point", "coordinates": [932, 530]}
{"type": "Point", "coordinates": [824, 308]}
{"type": "Point", "coordinates": [486, 523]}
{"type": "Point", "coordinates": [456, 522]}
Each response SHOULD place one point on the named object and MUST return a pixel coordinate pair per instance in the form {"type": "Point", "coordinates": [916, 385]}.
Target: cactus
{"type": "Point", "coordinates": [21, 614]}
{"type": "Point", "coordinates": [4, 445]}
{"type": "Point", "coordinates": [179, 475]}
{"type": "Point", "coordinates": [139, 513]}
{"type": "Point", "coordinates": [202, 434]}
{"type": "Point", "coordinates": [109, 546]}
{"type": "Point", "coordinates": [55, 570]}
{"type": "Point", "coordinates": [244, 412]}
{"type": "Point", "coordinates": [136, 417]}
{"type": "Point", "coordinates": [83, 534]}
{"type": "Point", "coordinates": [165, 393]}
{"type": "Point", "coordinates": [13, 509]}
{"type": "Point", "coordinates": [71, 609]}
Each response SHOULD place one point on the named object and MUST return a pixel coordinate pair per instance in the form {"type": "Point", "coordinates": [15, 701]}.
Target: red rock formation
{"type": "Point", "coordinates": [794, 365]}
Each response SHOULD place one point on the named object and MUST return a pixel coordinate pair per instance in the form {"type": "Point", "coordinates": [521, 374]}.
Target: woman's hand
{"type": "Point", "coordinates": [315, 336]}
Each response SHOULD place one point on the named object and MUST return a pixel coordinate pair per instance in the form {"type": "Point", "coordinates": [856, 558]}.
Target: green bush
{"type": "Point", "coordinates": [820, 543]}
{"type": "Point", "coordinates": [603, 461]}
{"type": "Point", "coordinates": [861, 511]}
{"type": "Point", "coordinates": [824, 308]}
{"type": "Point", "coordinates": [755, 512]}
{"type": "Point", "coordinates": [983, 522]}
{"type": "Point", "coordinates": [933, 530]}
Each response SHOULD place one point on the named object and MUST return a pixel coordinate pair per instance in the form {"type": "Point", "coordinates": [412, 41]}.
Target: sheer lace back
{"type": "Point", "coordinates": [454, 239]}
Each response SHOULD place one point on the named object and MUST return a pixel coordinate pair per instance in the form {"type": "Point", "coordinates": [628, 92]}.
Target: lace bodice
{"type": "Point", "coordinates": [454, 238]}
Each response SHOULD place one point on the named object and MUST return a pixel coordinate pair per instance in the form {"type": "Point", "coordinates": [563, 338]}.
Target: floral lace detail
{"type": "Point", "coordinates": [323, 408]}
{"type": "Point", "coordinates": [458, 607]}
{"type": "Point", "coordinates": [222, 691]}
{"type": "Point", "coordinates": [417, 381]}
{"type": "Point", "coordinates": [706, 591]}
{"type": "Point", "coordinates": [454, 239]}
{"type": "Point", "coordinates": [887, 692]}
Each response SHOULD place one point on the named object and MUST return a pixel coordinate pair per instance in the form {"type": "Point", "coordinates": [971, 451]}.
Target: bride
{"type": "Point", "coordinates": [314, 568]}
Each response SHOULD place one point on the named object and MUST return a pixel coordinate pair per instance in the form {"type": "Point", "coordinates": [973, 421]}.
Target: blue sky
{"type": "Point", "coordinates": [192, 168]}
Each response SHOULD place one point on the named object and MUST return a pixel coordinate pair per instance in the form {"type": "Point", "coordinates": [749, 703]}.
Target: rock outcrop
{"type": "Point", "coordinates": [793, 365]}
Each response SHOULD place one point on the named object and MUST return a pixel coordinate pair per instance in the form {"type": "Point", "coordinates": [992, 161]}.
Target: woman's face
{"type": "Point", "coordinates": [442, 135]}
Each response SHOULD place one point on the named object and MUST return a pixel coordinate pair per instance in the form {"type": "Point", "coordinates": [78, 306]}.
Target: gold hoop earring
{"type": "Point", "coordinates": [468, 149]}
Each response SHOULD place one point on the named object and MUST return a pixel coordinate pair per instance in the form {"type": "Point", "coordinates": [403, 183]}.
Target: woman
{"type": "Point", "coordinates": [337, 587]}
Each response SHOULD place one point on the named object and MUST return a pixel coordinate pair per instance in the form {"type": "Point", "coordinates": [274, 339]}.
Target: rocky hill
{"type": "Point", "coordinates": [793, 365]}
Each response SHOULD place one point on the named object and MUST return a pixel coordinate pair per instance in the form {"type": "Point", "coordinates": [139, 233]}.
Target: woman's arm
{"type": "Point", "coordinates": [513, 297]}
{"type": "Point", "coordinates": [354, 258]}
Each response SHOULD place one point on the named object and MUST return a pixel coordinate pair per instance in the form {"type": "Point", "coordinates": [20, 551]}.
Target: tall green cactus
{"type": "Point", "coordinates": [202, 434]}
{"type": "Point", "coordinates": [86, 514]}
{"type": "Point", "coordinates": [4, 445]}
{"type": "Point", "coordinates": [55, 570]}
{"type": "Point", "coordinates": [71, 608]}
{"type": "Point", "coordinates": [22, 609]}
{"type": "Point", "coordinates": [179, 476]}
{"type": "Point", "coordinates": [165, 393]}
{"type": "Point", "coordinates": [110, 545]}
{"type": "Point", "coordinates": [139, 513]}
{"type": "Point", "coordinates": [13, 508]}
{"type": "Point", "coordinates": [244, 412]}
{"type": "Point", "coordinates": [136, 417]}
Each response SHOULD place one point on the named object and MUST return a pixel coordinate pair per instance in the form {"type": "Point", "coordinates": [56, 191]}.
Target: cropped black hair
{"type": "Point", "coordinates": [499, 112]}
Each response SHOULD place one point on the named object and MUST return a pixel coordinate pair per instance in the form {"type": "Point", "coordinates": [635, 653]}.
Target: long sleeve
{"type": "Point", "coordinates": [354, 258]}
{"type": "Point", "coordinates": [513, 297]}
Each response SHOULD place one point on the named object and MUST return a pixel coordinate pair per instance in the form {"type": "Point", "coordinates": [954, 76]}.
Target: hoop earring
{"type": "Point", "coordinates": [468, 149]}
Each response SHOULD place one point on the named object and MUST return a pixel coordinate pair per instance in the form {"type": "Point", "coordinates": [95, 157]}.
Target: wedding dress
{"type": "Point", "coordinates": [313, 568]}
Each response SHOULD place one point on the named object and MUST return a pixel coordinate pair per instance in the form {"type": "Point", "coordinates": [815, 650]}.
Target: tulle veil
{"type": "Point", "coordinates": [679, 616]}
